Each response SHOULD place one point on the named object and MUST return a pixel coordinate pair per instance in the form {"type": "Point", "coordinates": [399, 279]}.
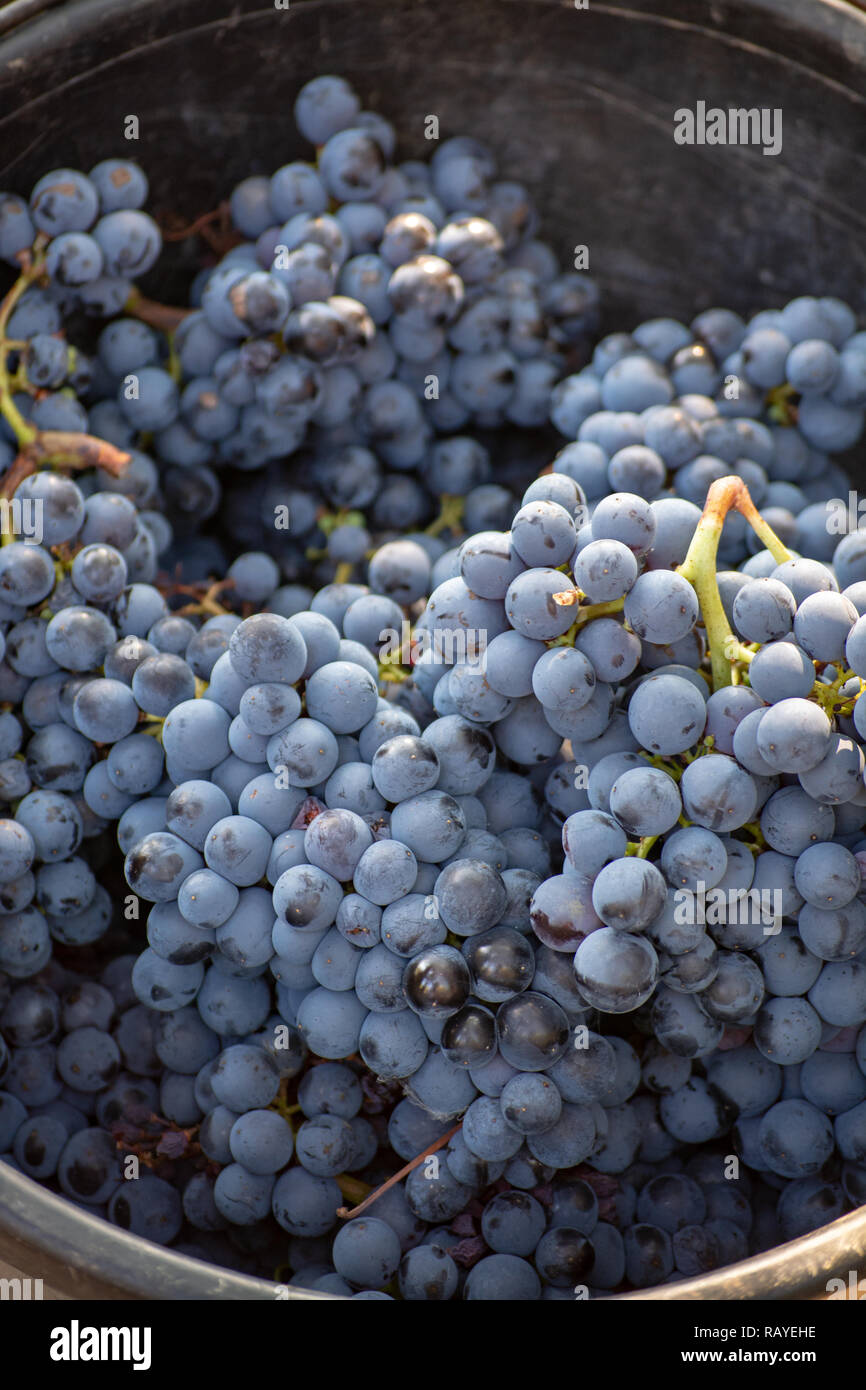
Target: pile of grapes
{"type": "Point", "coordinates": [423, 876]}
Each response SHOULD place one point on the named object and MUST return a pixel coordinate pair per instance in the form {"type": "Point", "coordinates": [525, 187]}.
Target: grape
{"type": "Point", "coordinates": [393, 1045]}
{"type": "Point", "coordinates": [304, 1205]}
{"type": "Point", "coordinates": [781, 671]}
{"type": "Point", "coordinates": [119, 183]}
{"type": "Point", "coordinates": [441, 1086]}
{"type": "Point", "coordinates": [827, 876]}
{"type": "Point", "coordinates": [839, 994]}
{"type": "Point", "coordinates": [644, 801]}
{"type": "Point", "coordinates": [336, 842]}
{"type": "Point", "coordinates": [791, 821]}
{"type": "Point", "coordinates": [838, 776]}
{"type": "Point", "coordinates": [531, 1104]}
{"type": "Point", "coordinates": [130, 242]}
{"type": "Point", "coordinates": [806, 1204]}
{"type": "Point", "coordinates": [694, 856]}
{"type": "Point", "coordinates": [378, 980]}
{"type": "Point", "coordinates": [331, 1022]}
{"type": "Point", "coordinates": [330, 1089]}
{"type": "Point", "coordinates": [163, 985]}
{"type": "Point", "coordinates": [196, 733]}
{"type": "Point", "coordinates": [307, 750]}
{"type": "Point", "coordinates": [469, 896]}
{"type": "Point", "coordinates": [822, 624]}
{"type": "Point", "coordinates": [135, 764]}
{"type": "Point", "coordinates": [543, 533]}
{"type": "Point", "coordinates": [795, 1139]}
{"type": "Point", "coordinates": [787, 1031]}
{"type": "Point", "coordinates": [437, 982]}
{"type": "Point", "coordinates": [531, 605]}
{"type": "Point", "coordinates": [563, 679]}
{"type": "Point", "coordinates": [612, 650]}
{"type": "Point", "coordinates": [17, 850]}
{"type": "Point", "coordinates": [193, 809]}
{"type": "Point", "coordinates": [89, 1168]}
{"type": "Point", "coordinates": [616, 972]}
{"type": "Point", "coordinates": [628, 894]}
{"type": "Point", "coordinates": [386, 871]}
{"type": "Point", "coordinates": [500, 962]}
{"type": "Point", "coordinates": [241, 1197]}
{"type": "Point", "coordinates": [183, 1042]}
{"type": "Point", "coordinates": [832, 1082]}
{"type": "Point", "coordinates": [736, 990]}
{"type": "Point", "coordinates": [605, 569]}
{"type": "Point", "coordinates": [833, 933]}
{"type": "Point", "coordinates": [62, 201]}
{"type": "Point", "coordinates": [502, 1277]}
{"type": "Point", "coordinates": [367, 1252]}
{"type": "Point", "coordinates": [661, 607]}
{"type": "Point", "coordinates": [667, 714]}
{"type": "Point", "coordinates": [683, 1026]}
{"type": "Point", "coordinates": [245, 1078]}
{"type": "Point", "coordinates": [267, 647]}
{"type": "Point", "coordinates": [849, 1133]}
{"type": "Point", "coordinates": [403, 767]}
{"type": "Point", "coordinates": [105, 710]}
{"type": "Point", "coordinates": [533, 1031]}
{"type": "Point", "coordinates": [324, 1145]}
{"type": "Point", "coordinates": [54, 826]}
{"type": "Point", "coordinates": [592, 839]}
{"type": "Point", "coordinates": [427, 1273]}
{"type": "Point", "coordinates": [342, 696]}
{"type": "Point", "coordinates": [13, 1115]}
{"type": "Point", "coordinates": [38, 1144]}
{"type": "Point", "coordinates": [718, 794]}
{"type": "Point", "coordinates": [88, 1059]}
{"type": "Point", "coordinates": [158, 864]}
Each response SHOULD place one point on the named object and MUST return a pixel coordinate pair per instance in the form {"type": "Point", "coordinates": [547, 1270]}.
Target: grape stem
{"type": "Point", "coordinates": [450, 516]}
{"type": "Point", "coordinates": [32, 265]}
{"type": "Point", "coordinates": [699, 568]}
{"type": "Point", "coordinates": [62, 449]}
{"type": "Point", "coordinates": [570, 598]}
{"type": "Point", "coordinates": [347, 1214]}
{"type": "Point", "coordinates": [38, 448]}
{"type": "Point", "coordinates": [164, 317]}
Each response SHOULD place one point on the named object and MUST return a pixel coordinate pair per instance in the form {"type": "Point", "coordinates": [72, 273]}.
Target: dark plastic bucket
{"type": "Point", "coordinates": [579, 104]}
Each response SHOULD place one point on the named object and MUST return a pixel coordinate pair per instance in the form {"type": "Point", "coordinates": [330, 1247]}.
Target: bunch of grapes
{"type": "Point", "coordinates": [503, 869]}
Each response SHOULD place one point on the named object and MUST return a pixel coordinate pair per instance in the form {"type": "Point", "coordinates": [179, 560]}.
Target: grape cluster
{"type": "Point", "coordinates": [73, 755]}
{"type": "Point", "coordinates": [374, 312]}
{"type": "Point", "coordinates": [524, 848]}
{"type": "Point", "coordinates": [672, 408]}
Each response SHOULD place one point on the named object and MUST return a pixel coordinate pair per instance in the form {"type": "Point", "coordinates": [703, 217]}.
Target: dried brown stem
{"type": "Point", "coordinates": [164, 317]}
{"type": "Point", "coordinates": [347, 1214]}
{"type": "Point", "coordinates": [63, 449]}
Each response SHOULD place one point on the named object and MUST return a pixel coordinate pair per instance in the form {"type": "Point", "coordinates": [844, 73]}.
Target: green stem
{"type": "Point", "coordinates": [646, 845]}
{"type": "Point", "coordinates": [584, 615]}
{"type": "Point", "coordinates": [450, 517]}
{"type": "Point", "coordinates": [699, 568]}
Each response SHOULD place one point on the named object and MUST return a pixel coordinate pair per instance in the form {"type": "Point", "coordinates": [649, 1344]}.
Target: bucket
{"type": "Point", "coordinates": [578, 101]}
